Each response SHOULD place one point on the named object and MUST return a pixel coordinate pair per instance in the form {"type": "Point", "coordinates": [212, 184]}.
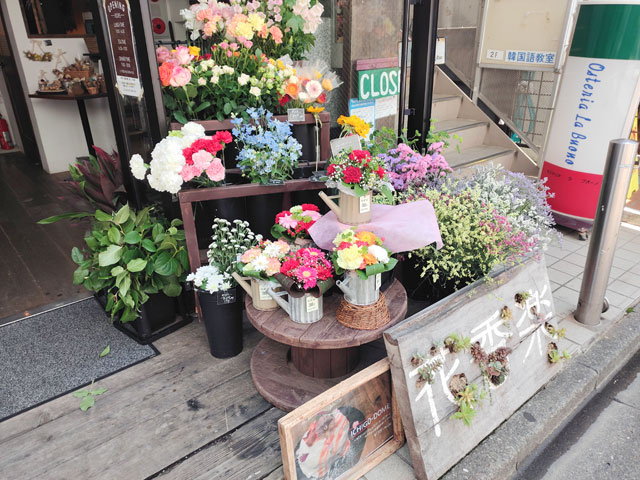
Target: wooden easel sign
{"type": "Point", "coordinates": [465, 364]}
{"type": "Point", "coordinates": [344, 432]}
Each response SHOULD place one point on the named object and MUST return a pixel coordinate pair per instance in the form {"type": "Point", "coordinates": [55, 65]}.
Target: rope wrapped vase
{"type": "Point", "coordinates": [363, 317]}
{"type": "Point", "coordinates": [363, 306]}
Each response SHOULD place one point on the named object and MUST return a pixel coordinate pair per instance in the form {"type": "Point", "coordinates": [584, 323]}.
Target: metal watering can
{"type": "Point", "coordinates": [258, 291]}
{"type": "Point", "coordinates": [358, 291]}
{"type": "Point", "coordinates": [304, 309]}
{"type": "Point", "coordinates": [353, 210]}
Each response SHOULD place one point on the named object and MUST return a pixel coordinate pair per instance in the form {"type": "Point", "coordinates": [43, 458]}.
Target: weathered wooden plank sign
{"type": "Point", "coordinates": [500, 335]}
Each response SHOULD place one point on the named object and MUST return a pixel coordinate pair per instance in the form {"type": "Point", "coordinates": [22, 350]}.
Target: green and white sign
{"type": "Point", "coordinates": [382, 82]}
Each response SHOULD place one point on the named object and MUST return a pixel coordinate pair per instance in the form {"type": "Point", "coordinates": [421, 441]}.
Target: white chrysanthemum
{"type": "Point", "coordinates": [193, 128]}
{"type": "Point", "coordinates": [380, 253]}
{"type": "Point", "coordinates": [210, 279]}
{"type": "Point", "coordinates": [138, 167]}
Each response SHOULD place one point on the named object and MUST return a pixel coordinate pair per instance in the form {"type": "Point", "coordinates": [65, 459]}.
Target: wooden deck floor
{"type": "Point", "coordinates": [35, 260]}
{"type": "Point", "coordinates": [182, 403]}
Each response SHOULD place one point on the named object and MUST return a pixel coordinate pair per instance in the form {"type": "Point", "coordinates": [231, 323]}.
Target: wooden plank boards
{"type": "Point", "coordinates": [251, 452]}
{"type": "Point", "coordinates": [436, 441]}
{"type": "Point", "coordinates": [37, 268]}
{"type": "Point", "coordinates": [151, 416]}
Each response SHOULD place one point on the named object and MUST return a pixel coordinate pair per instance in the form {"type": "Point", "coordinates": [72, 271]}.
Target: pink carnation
{"type": "Point", "coordinates": [189, 172]}
{"type": "Point", "coordinates": [202, 159]}
{"type": "Point", "coordinates": [215, 170]}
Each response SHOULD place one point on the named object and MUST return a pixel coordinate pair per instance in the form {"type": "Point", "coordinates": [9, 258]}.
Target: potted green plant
{"type": "Point", "coordinates": [137, 261]}
{"type": "Point", "coordinates": [221, 310]}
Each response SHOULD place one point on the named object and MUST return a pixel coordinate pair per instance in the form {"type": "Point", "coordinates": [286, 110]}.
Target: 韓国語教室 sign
{"type": "Point", "coordinates": [381, 82]}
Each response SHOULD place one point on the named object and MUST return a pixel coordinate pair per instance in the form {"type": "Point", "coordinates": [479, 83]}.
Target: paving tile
{"type": "Point", "coordinates": [577, 332]}
{"type": "Point", "coordinates": [624, 263]}
{"type": "Point", "coordinates": [618, 300]}
{"type": "Point", "coordinates": [612, 314]}
{"type": "Point", "coordinates": [563, 308]}
{"type": "Point", "coordinates": [558, 276]}
{"type": "Point", "coordinates": [554, 286]}
{"type": "Point", "coordinates": [576, 258]}
{"type": "Point", "coordinates": [631, 278]}
{"type": "Point", "coordinates": [556, 252]}
{"type": "Point", "coordinates": [566, 295]}
{"type": "Point", "coordinates": [392, 467]}
{"type": "Point", "coordinates": [574, 284]}
{"type": "Point", "coordinates": [625, 289]}
{"type": "Point", "coordinates": [568, 267]}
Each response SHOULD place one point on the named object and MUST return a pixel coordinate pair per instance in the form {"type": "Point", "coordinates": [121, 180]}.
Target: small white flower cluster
{"type": "Point", "coordinates": [167, 159]}
{"type": "Point", "coordinates": [210, 279]}
{"type": "Point", "coordinates": [229, 240]}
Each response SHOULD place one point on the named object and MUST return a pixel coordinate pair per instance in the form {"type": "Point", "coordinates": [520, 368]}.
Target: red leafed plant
{"type": "Point", "coordinates": [99, 180]}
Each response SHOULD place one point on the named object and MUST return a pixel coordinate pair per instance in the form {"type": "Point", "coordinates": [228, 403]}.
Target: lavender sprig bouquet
{"type": "Point", "coordinates": [406, 167]}
{"type": "Point", "coordinates": [268, 150]}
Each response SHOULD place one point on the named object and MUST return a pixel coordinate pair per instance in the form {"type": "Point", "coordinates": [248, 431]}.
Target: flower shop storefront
{"type": "Point", "coordinates": [273, 212]}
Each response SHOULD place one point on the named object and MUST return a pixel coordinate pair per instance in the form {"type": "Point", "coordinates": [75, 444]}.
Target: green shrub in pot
{"type": "Point", "coordinates": [131, 255]}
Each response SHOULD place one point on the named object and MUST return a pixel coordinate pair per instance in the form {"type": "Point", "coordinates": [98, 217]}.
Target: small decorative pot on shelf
{"type": "Point", "coordinates": [304, 309]}
{"type": "Point", "coordinates": [351, 210]}
{"type": "Point", "coordinates": [360, 291]}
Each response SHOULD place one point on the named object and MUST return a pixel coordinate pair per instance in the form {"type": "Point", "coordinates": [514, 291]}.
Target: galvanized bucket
{"type": "Point", "coordinates": [358, 291]}
{"type": "Point", "coordinates": [304, 309]}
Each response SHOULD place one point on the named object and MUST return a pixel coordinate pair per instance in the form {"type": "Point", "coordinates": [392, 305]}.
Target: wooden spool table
{"type": "Point", "coordinates": [298, 361]}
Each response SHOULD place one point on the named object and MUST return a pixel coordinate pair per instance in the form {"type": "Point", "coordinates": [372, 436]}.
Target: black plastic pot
{"type": "Point", "coordinates": [415, 285]}
{"type": "Point", "coordinates": [306, 135]}
{"type": "Point", "coordinates": [222, 316]}
{"type": "Point", "coordinates": [205, 212]}
{"type": "Point", "coordinates": [262, 211]}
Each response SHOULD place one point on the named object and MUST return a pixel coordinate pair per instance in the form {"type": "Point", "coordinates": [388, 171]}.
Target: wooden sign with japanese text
{"type": "Point", "coordinates": [500, 335]}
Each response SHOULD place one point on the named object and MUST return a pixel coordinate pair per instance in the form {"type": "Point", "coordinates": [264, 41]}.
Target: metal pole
{"type": "Point", "coordinates": [423, 59]}
{"type": "Point", "coordinates": [403, 65]}
{"type": "Point", "coordinates": [615, 184]}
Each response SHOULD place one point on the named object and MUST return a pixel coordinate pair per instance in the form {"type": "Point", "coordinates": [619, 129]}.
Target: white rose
{"type": "Point", "coordinates": [138, 167]}
{"type": "Point", "coordinates": [215, 79]}
{"type": "Point", "coordinates": [193, 128]}
{"type": "Point", "coordinates": [380, 253]}
{"type": "Point", "coordinates": [243, 79]}
{"type": "Point", "coordinates": [201, 81]}
{"type": "Point", "coordinates": [255, 91]}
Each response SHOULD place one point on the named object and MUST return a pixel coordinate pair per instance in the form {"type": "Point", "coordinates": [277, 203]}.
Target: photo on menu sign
{"type": "Point", "coordinates": [329, 440]}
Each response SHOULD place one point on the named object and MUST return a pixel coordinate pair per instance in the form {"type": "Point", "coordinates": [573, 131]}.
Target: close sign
{"type": "Point", "coordinates": [382, 82]}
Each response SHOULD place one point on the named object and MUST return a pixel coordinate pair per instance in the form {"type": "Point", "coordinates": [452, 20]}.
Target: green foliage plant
{"type": "Point", "coordinates": [468, 400]}
{"type": "Point", "coordinates": [88, 396]}
{"type": "Point", "coordinates": [131, 256]}
{"type": "Point", "coordinates": [456, 343]}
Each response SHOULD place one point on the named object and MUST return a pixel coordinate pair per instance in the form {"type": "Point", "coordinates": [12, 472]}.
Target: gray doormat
{"type": "Point", "coordinates": [52, 353]}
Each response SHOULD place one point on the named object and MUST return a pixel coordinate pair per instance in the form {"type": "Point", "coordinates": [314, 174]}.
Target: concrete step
{"type": "Point", "coordinates": [445, 106]}
{"type": "Point", "coordinates": [471, 131]}
{"type": "Point", "coordinates": [478, 154]}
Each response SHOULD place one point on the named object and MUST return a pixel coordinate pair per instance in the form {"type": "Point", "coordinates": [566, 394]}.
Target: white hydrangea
{"type": "Point", "coordinates": [138, 168]}
{"type": "Point", "coordinates": [194, 129]}
{"type": "Point", "coordinates": [210, 279]}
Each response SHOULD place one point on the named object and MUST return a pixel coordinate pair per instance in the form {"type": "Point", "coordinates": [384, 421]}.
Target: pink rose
{"type": "Point", "coordinates": [248, 44]}
{"type": "Point", "coordinates": [162, 54]}
{"type": "Point", "coordinates": [182, 55]}
{"type": "Point", "coordinates": [215, 170]}
{"type": "Point", "coordinates": [202, 159]}
{"type": "Point", "coordinates": [180, 77]}
{"type": "Point", "coordinates": [233, 46]}
{"type": "Point", "coordinates": [188, 172]}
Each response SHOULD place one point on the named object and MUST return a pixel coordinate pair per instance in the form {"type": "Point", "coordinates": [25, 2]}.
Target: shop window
{"type": "Point", "coordinates": [57, 18]}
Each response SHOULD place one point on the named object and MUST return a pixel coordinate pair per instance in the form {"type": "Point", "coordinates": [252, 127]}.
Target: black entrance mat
{"type": "Point", "coordinates": [55, 352]}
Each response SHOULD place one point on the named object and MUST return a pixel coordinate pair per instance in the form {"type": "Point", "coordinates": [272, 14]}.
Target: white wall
{"type": "Point", "coordinates": [57, 124]}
